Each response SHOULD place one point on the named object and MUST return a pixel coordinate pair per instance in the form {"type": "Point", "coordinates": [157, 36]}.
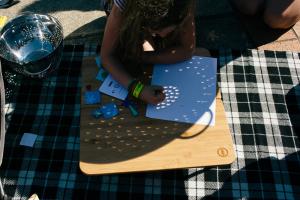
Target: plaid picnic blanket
{"type": "Point", "coordinates": [261, 95]}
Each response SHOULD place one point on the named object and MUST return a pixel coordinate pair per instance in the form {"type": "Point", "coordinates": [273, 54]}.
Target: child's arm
{"type": "Point", "coordinates": [182, 52]}
{"type": "Point", "coordinates": [113, 65]}
{"type": "Point", "coordinates": [108, 49]}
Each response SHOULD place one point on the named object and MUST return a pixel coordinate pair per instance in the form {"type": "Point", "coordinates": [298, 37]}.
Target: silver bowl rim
{"type": "Point", "coordinates": [11, 22]}
{"type": "Point", "coordinates": [8, 24]}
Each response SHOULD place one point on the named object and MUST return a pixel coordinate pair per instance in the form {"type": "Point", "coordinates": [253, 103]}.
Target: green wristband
{"type": "Point", "coordinates": [138, 89]}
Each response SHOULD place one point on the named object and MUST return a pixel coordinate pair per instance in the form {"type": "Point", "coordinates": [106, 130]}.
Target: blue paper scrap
{"type": "Point", "coordinates": [102, 74]}
{"type": "Point", "coordinates": [92, 97]}
{"type": "Point", "coordinates": [98, 61]}
{"type": "Point", "coordinates": [109, 110]}
{"type": "Point", "coordinates": [28, 139]}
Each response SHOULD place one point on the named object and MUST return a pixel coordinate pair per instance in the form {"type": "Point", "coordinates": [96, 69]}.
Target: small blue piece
{"type": "Point", "coordinates": [102, 74]}
{"type": "Point", "coordinates": [97, 113]}
{"type": "Point", "coordinates": [109, 110]}
{"type": "Point", "coordinates": [133, 111]}
{"type": "Point", "coordinates": [98, 61]}
{"type": "Point", "coordinates": [130, 105]}
{"type": "Point", "coordinates": [92, 97]}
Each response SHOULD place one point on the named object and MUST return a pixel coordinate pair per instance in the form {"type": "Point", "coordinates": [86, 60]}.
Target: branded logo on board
{"type": "Point", "coordinates": [222, 152]}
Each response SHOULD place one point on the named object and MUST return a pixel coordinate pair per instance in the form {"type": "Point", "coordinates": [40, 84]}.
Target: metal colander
{"type": "Point", "coordinates": [32, 44]}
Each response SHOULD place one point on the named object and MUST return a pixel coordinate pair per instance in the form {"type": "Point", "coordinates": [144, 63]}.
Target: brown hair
{"type": "Point", "coordinates": [154, 14]}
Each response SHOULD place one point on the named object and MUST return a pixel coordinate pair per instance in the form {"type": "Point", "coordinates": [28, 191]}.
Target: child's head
{"type": "Point", "coordinates": [156, 16]}
{"type": "Point", "coordinates": [160, 14]}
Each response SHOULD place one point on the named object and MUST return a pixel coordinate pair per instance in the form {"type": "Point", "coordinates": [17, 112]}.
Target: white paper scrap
{"type": "Point", "coordinates": [28, 139]}
{"type": "Point", "coordinates": [113, 88]}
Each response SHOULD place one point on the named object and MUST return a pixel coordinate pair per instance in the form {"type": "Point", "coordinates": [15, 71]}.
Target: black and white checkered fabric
{"type": "Point", "coordinates": [261, 94]}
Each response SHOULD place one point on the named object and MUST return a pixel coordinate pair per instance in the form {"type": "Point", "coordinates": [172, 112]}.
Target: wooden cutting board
{"type": "Point", "coordinates": [134, 144]}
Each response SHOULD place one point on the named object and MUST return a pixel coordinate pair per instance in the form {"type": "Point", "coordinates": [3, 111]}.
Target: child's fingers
{"type": "Point", "coordinates": [157, 87]}
{"type": "Point", "coordinates": [160, 97]}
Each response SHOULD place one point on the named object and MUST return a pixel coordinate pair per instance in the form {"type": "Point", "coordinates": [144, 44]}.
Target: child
{"type": "Point", "coordinates": [147, 32]}
{"type": "Point", "coordinates": [277, 14]}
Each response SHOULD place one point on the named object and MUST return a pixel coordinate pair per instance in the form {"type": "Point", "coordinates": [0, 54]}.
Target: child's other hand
{"type": "Point", "coordinates": [152, 94]}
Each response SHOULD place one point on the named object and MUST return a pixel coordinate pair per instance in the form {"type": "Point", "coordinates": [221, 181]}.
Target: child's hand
{"type": "Point", "coordinates": [152, 94]}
